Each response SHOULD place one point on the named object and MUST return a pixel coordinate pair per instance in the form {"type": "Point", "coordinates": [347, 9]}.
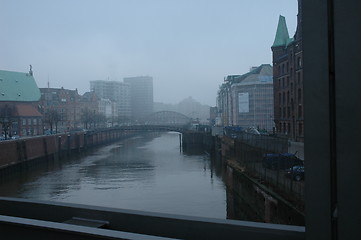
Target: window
{"type": "Point", "coordinates": [282, 95]}
{"type": "Point", "coordinates": [288, 97]}
{"type": "Point", "coordinates": [279, 98]}
{"type": "Point", "coordinates": [288, 128]}
{"type": "Point", "coordinates": [320, 180]}
{"type": "Point", "coordinates": [298, 77]}
{"type": "Point", "coordinates": [288, 112]}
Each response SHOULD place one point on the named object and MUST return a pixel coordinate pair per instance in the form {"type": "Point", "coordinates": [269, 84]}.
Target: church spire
{"type": "Point", "coordinates": [282, 37]}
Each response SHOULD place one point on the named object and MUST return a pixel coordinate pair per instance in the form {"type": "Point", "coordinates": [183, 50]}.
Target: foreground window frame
{"type": "Point", "coordinates": [331, 59]}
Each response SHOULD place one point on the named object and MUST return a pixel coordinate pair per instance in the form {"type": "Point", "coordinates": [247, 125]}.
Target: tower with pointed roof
{"type": "Point", "coordinates": [288, 80]}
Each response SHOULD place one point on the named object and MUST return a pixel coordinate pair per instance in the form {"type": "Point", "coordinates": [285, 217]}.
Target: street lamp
{"type": "Point", "coordinates": [254, 106]}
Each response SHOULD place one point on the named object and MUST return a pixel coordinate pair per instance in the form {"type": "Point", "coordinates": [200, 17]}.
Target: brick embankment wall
{"type": "Point", "coordinates": [13, 152]}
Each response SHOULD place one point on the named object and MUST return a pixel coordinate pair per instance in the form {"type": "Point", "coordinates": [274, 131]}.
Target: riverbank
{"type": "Point", "coordinates": [22, 153]}
{"type": "Point", "coordinates": [272, 203]}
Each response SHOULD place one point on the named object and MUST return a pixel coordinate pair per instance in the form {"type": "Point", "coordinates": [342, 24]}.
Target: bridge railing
{"type": "Point", "coordinates": [30, 219]}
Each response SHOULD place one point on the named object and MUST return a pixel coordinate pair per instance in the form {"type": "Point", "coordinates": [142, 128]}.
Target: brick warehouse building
{"type": "Point", "coordinates": [63, 101]}
{"type": "Point", "coordinates": [69, 104]}
{"type": "Point", "coordinates": [288, 80]}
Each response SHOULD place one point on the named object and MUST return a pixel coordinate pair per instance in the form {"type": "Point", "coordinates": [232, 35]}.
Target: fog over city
{"type": "Point", "coordinates": [187, 46]}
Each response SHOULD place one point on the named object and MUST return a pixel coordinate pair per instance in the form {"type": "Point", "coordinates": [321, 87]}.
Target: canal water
{"type": "Point", "coordinates": [148, 172]}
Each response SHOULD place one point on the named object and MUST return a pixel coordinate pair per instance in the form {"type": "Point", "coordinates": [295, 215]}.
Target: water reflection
{"type": "Point", "coordinates": [146, 173]}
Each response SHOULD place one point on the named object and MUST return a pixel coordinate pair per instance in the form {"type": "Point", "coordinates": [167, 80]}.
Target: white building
{"type": "Point", "coordinates": [247, 100]}
{"type": "Point", "coordinates": [116, 92]}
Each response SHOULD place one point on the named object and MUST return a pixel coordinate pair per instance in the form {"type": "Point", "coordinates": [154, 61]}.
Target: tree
{"type": "Point", "coordinates": [90, 118]}
{"type": "Point", "coordinates": [52, 117]}
{"type": "Point", "coordinates": [99, 120]}
{"type": "Point", "coordinates": [6, 120]}
{"type": "Point", "coordinates": [86, 117]}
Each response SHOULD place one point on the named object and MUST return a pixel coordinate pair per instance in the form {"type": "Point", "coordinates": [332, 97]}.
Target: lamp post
{"type": "Point", "coordinates": [254, 106]}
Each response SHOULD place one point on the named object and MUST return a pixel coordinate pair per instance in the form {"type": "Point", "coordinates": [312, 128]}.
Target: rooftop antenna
{"type": "Point", "coordinates": [31, 70]}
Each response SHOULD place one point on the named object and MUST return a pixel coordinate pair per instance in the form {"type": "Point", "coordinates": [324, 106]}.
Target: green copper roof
{"type": "Point", "coordinates": [18, 87]}
{"type": "Point", "coordinates": [282, 37]}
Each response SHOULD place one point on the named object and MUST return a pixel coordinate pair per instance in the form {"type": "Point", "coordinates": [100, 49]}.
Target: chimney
{"type": "Point", "coordinates": [31, 70]}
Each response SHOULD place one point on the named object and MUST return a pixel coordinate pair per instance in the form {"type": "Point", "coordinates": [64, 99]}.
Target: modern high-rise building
{"type": "Point", "coordinates": [288, 80]}
{"type": "Point", "coordinates": [117, 92]}
{"type": "Point", "coordinates": [141, 92]}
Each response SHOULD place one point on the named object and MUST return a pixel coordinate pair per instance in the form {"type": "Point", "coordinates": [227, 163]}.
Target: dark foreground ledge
{"type": "Point", "coordinates": [30, 219]}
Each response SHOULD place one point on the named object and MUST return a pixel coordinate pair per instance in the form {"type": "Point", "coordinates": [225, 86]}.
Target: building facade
{"type": "Point", "coordinates": [141, 92]}
{"type": "Point", "coordinates": [288, 80]}
{"type": "Point", "coordinates": [247, 100]}
{"type": "Point", "coordinates": [118, 93]}
{"type": "Point", "coordinates": [65, 102]}
{"type": "Point", "coordinates": [19, 109]}
{"type": "Point", "coordinates": [71, 106]}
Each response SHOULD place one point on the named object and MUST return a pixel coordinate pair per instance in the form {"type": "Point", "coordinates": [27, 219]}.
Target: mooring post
{"type": "Point", "coordinates": [45, 146]}
{"type": "Point", "coordinates": [68, 139]}
{"type": "Point", "coordinates": [85, 141]}
{"type": "Point", "coordinates": [59, 147]}
{"type": "Point", "coordinates": [180, 142]}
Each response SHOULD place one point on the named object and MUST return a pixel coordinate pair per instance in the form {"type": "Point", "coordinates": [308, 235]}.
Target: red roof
{"type": "Point", "coordinates": [27, 110]}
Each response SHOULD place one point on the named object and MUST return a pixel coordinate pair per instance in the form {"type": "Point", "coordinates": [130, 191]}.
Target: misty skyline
{"type": "Point", "coordinates": [186, 46]}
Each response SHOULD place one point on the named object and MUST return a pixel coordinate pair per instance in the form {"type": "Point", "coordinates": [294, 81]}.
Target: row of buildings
{"type": "Point", "coordinates": [268, 98]}
{"type": "Point", "coordinates": [25, 108]}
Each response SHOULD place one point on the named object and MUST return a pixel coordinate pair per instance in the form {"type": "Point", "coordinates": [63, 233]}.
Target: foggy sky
{"type": "Point", "coordinates": [187, 46]}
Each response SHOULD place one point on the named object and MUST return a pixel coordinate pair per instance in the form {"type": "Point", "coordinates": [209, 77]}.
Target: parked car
{"type": "Point", "coordinates": [280, 160]}
{"type": "Point", "coordinates": [296, 173]}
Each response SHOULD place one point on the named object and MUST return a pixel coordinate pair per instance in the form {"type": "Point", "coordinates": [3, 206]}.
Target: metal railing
{"type": "Point", "coordinates": [30, 219]}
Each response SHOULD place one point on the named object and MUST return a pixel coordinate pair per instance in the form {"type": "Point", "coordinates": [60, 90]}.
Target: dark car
{"type": "Point", "coordinates": [296, 173]}
{"type": "Point", "coordinates": [280, 160]}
